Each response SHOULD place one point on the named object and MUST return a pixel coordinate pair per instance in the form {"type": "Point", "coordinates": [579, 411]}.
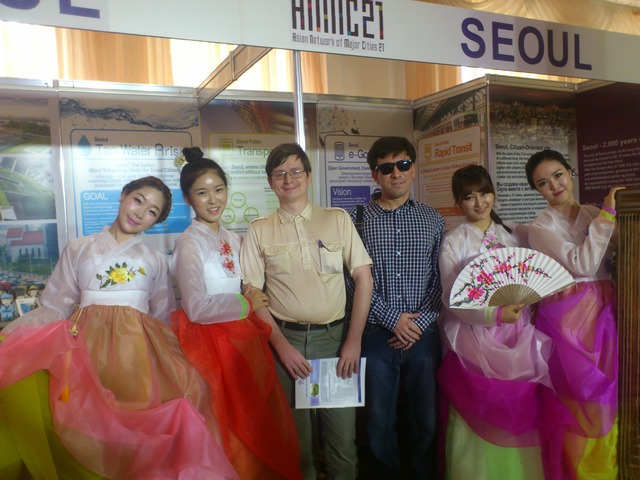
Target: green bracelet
{"type": "Point", "coordinates": [607, 215]}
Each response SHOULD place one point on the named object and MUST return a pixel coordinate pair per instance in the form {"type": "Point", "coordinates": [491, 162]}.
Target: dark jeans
{"type": "Point", "coordinates": [391, 372]}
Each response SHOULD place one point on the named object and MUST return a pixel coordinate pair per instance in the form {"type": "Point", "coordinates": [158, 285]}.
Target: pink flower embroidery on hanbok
{"type": "Point", "coordinates": [225, 248]}
{"type": "Point", "coordinates": [226, 251]}
{"type": "Point", "coordinates": [117, 274]}
{"type": "Point", "coordinates": [490, 241]}
{"type": "Point", "coordinates": [229, 265]}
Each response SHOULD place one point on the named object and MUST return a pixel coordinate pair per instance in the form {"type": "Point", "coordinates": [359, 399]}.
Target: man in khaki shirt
{"type": "Point", "coordinates": [297, 253]}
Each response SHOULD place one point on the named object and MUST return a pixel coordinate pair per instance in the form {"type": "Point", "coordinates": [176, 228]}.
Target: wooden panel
{"type": "Point", "coordinates": [628, 269]}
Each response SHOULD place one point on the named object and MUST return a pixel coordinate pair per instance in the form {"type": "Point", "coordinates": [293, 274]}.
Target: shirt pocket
{"type": "Point", "coordinates": [278, 259]}
{"type": "Point", "coordinates": [331, 258]}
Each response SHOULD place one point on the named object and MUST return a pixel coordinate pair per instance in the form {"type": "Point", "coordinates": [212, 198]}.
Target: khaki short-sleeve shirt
{"type": "Point", "coordinates": [300, 260]}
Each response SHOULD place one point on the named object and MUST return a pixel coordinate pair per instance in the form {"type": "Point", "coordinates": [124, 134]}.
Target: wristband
{"type": "Point", "coordinates": [245, 303]}
{"type": "Point", "coordinates": [490, 316]}
{"type": "Point", "coordinates": [607, 215]}
{"type": "Point", "coordinates": [499, 316]}
{"type": "Point", "coordinates": [609, 210]}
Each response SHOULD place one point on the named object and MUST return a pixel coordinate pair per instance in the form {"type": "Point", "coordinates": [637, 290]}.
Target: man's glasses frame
{"type": "Point", "coordinates": [295, 173]}
{"type": "Point", "coordinates": [401, 165]}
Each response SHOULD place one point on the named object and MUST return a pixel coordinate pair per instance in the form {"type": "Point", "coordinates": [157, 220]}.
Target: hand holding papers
{"type": "Point", "coordinates": [324, 389]}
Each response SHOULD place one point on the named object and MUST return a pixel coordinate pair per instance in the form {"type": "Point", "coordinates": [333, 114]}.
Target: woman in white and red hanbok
{"type": "Point", "coordinates": [224, 339]}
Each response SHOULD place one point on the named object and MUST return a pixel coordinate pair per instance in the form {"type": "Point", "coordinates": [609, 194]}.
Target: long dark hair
{"type": "Point", "coordinates": [196, 166]}
{"type": "Point", "coordinates": [153, 182]}
{"type": "Point", "coordinates": [474, 178]}
{"type": "Point", "coordinates": [541, 156]}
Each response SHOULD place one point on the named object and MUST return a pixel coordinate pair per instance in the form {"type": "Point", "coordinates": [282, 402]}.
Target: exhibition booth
{"type": "Point", "coordinates": [86, 138]}
{"type": "Point", "coordinates": [68, 147]}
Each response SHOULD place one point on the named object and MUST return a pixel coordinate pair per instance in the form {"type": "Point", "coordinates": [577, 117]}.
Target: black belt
{"type": "Point", "coordinates": [306, 327]}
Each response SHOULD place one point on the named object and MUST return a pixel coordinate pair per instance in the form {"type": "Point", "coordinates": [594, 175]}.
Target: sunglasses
{"type": "Point", "coordinates": [387, 168]}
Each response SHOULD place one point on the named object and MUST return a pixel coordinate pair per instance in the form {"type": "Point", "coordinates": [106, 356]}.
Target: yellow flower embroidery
{"type": "Point", "coordinates": [119, 274]}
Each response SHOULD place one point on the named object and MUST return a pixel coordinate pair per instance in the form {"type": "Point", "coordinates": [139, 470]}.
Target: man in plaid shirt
{"type": "Point", "coordinates": [401, 339]}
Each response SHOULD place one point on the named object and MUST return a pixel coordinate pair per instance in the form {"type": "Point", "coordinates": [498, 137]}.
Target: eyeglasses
{"type": "Point", "coordinates": [297, 173]}
{"type": "Point", "coordinates": [387, 168]}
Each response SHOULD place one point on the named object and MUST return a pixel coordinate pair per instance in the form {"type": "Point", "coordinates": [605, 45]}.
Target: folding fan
{"type": "Point", "coordinates": [508, 276]}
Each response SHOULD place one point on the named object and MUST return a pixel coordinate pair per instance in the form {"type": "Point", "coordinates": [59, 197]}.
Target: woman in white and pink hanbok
{"type": "Point", "coordinates": [105, 391]}
{"type": "Point", "coordinates": [581, 319]}
{"type": "Point", "coordinates": [501, 417]}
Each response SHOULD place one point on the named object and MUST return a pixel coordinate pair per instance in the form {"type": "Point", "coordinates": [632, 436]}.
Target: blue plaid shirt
{"type": "Point", "coordinates": [404, 245]}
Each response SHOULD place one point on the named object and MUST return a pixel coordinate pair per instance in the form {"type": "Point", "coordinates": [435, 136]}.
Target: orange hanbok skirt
{"type": "Point", "coordinates": [257, 428]}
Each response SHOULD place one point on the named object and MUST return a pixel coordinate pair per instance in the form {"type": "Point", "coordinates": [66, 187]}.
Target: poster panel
{"type": "Point", "coordinates": [109, 140]}
{"type": "Point", "coordinates": [243, 156]}
{"type": "Point", "coordinates": [30, 196]}
{"type": "Point", "coordinates": [522, 122]}
{"type": "Point", "coordinates": [348, 175]}
{"type": "Point", "coordinates": [440, 156]}
{"type": "Point", "coordinates": [608, 140]}
{"type": "Point", "coordinates": [346, 131]}
{"type": "Point", "coordinates": [450, 134]}
{"type": "Point", "coordinates": [239, 135]}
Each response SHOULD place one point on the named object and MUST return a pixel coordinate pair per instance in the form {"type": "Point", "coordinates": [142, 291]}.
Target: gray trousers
{"type": "Point", "coordinates": [337, 426]}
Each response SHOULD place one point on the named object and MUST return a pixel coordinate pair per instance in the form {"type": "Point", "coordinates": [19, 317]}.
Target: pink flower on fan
{"type": "Point", "coordinates": [475, 293]}
{"type": "Point", "coordinates": [503, 267]}
{"type": "Point", "coordinates": [524, 268]}
{"type": "Point", "coordinates": [485, 278]}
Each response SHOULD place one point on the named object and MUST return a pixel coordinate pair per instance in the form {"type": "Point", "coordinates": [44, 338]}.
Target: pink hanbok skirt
{"type": "Point", "coordinates": [581, 321]}
{"type": "Point", "coordinates": [501, 416]}
{"type": "Point", "coordinates": [123, 401]}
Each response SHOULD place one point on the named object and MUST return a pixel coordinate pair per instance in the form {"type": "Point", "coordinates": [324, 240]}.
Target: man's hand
{"type": "Point", "coordinates": [397, 344]}
{"type": "Point", "coordinates": [293, 361]}
{"type": "Point", "coordinates": [406, 331]}
{"type": "Point", "coordinates": [291, 358]}
{"type": "Point", "coordinates": [349, 362]}
{"type": "Point", "coordinates": [257, 298]}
